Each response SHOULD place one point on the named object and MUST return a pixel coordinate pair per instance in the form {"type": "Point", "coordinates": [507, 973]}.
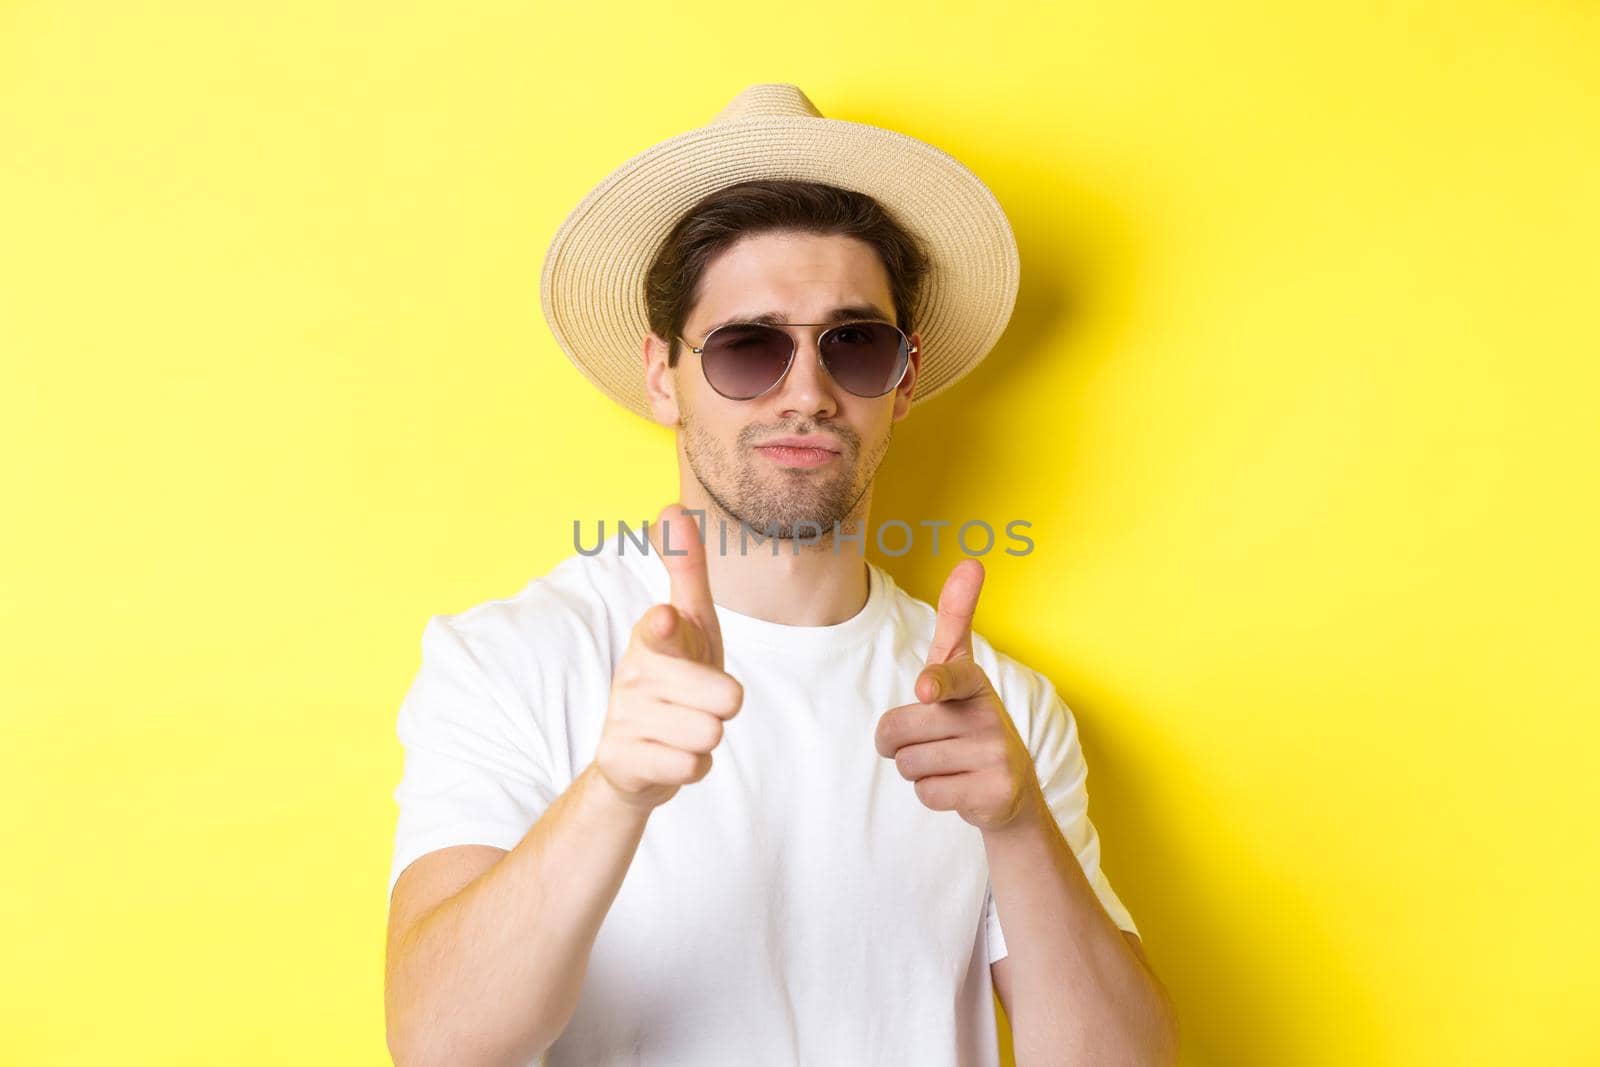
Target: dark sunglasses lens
{"type": "Point", "coordinates": [744, 361]}
{"type": "Point", "coordinates": [867, 358]}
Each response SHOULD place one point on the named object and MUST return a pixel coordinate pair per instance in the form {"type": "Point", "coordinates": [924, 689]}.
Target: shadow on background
{"type": "Point", "coordinates": [1237, 1005]}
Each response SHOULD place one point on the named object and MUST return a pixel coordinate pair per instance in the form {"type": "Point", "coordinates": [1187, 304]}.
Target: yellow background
{"type": "Point", "coordinates": [1299, 395]}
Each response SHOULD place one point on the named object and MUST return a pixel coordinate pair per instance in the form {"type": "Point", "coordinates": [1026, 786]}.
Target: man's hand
{"type": "Point", "coordinates": [959, 745]}
{"type": "Point", "coordinates": [669, 695]}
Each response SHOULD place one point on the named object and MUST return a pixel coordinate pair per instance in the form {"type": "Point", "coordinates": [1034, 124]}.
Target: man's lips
{"type": "Point", "coordinates": [790, 456]}
{"type": "Point", "coordinates": [821, 441]}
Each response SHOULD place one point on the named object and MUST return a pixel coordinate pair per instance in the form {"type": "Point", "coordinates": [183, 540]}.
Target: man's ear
{"type": "Point", "coordinates": [660, 384]}
{"type": "Point", "coordinates": [908, 385]}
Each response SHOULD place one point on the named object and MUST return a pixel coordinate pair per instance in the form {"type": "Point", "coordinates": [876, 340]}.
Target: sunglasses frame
{"type": "Point", "coordinates": [794, 347]}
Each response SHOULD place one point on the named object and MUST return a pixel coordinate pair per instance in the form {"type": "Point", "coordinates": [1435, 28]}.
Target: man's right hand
{"type": "Point", "coordinates": [669, 695]}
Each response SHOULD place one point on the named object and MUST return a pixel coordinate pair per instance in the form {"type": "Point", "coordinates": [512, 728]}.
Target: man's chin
{"type": "Point", "coordinates": [807, 529]}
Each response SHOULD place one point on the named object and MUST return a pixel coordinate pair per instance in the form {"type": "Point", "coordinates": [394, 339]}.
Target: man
{"type": "Point", "coordinates": [687, 801]}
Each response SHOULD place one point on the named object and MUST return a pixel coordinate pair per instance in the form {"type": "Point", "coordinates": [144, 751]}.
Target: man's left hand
{"type": "Point", "coordinates": [959, 744]}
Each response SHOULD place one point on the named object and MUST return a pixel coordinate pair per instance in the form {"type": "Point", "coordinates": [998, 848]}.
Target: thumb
{"type": "Point", "coordinates": [676, 538]}
{"type": "Point", "coordinates": [958, 602]}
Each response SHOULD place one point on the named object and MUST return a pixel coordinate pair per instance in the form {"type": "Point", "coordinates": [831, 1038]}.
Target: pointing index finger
{"type": "Point", "coordinates": [676, 538]}
{"type": "Point", "coordinates": [958, 603]}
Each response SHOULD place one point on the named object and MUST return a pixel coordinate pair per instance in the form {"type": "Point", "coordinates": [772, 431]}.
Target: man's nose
{"type": "Point", "coordinates": [806, 388]}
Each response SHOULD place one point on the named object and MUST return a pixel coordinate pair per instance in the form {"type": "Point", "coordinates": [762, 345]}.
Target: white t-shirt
{"type": "Point", "coordinates": [798, 904]}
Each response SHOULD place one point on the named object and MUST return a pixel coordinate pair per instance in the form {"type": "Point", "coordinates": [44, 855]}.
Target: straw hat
{"type": "Point", "coordinates": [592, 287]}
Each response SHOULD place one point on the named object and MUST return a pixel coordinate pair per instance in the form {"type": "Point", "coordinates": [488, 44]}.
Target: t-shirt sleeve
{"type": "Point", "coordinates": [476, 770]}
{"type": "Point", "coordinates": [993, 937]}
{"type": "Point", "coordinates": [1063, 777]}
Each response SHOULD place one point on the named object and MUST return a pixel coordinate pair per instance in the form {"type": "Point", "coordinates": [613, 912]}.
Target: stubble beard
{"type": "Point", "coordinates": [765, 497]}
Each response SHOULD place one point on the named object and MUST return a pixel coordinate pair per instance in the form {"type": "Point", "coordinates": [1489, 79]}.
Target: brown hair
{"type": "Point", "coordinates": [737, 211]}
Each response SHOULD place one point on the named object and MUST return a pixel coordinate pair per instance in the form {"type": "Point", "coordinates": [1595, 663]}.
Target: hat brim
{"type": "Point", "coordinates": [592, 285]}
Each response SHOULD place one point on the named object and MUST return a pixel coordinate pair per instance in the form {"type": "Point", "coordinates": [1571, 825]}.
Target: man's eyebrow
{"type": "Point", "coordinates": [838, 314]}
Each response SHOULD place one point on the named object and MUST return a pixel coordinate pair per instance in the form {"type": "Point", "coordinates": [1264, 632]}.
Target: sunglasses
{"type": "Point", "coordinates": [744, 360]}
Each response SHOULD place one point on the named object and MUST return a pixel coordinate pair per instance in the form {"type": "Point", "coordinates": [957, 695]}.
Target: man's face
{"type": "Point", "coordinates": [801, 278]}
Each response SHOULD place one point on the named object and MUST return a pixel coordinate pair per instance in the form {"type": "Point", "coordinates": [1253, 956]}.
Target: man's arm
{"type": "Point", "coordinates": [1083, 993]}
{"type": "Point", "coordinates": [1075, 988]}
{"type": "Point", "coordinates": [1000, 971]}
{"type": "Point", "coordinates": [493, 974]}
{"type": "Point", "coordinates": [465, 966]}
